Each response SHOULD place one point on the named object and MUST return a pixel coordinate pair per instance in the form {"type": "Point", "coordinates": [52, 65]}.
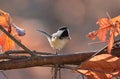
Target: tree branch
{"type": "Point", "coordinates": [28, 61]}
{"type": "Point", "coordinates": [16, 59]}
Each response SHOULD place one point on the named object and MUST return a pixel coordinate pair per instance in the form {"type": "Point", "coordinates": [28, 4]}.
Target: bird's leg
{"type": "Point", "coordinates": [57, 51]}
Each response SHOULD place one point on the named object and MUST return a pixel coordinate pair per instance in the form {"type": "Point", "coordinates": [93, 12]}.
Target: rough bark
{"type": "Point", "coordinates": [16, 62]}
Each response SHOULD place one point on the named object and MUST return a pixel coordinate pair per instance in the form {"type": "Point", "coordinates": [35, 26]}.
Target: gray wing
{"type": "Point", "coordinates": [45, 33]}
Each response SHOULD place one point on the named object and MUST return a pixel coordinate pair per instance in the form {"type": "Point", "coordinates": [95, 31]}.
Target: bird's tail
{"type": "Point", "coordinates": [45, 33]}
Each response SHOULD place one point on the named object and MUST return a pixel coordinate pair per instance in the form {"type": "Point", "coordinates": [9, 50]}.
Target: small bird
{"type": "Point", "coordinates": [59, 39]}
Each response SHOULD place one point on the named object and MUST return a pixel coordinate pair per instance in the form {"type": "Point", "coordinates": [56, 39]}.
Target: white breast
{"type": "Point", "coordinates": [57, 43]}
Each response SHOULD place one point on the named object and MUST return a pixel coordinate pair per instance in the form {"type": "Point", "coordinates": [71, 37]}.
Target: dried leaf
{"type": "Point", "coordinates": [116, 19]}
{"type": "Point", "coordinates": [102, 33]}
{"type": "Point", "coordinates": [2, 39]}
{"type": "Point", "coordinates": [92, 35]}
{"type": "Point", "coordinates": [6, 43]}
{"type": "Point", "coordinates": [107, 26]}
{"type": "Point", "coordinates": [104, 66]}
{"type": "Point", "coordinates": [4, 19]}
{"type": "Point", "coordinates": [104, 22]}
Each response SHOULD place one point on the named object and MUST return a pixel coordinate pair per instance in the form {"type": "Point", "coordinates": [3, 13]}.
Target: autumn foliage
{"type": "Point", "coordinates": [104, 66]}
{"type": "Point", "coordinates": [107, 26]}
{"type": "Point", "coordinates": [6, 21]}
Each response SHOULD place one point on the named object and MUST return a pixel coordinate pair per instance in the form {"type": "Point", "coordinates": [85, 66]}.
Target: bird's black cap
{"type": "Point", "coordinates": [65, 32]}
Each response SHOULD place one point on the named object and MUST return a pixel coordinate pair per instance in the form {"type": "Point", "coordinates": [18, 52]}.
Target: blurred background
{"type": "Point", "coordinates": [79, 15]}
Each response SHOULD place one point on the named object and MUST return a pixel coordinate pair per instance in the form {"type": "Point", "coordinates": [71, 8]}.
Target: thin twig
{"type": "Point", "coordinates": [25, 52]}
{"type": "Point", "coordinates": [62, 66]}
{"type": "Point", "coordinates": [105, 47]}
{"type": "Point", "coordinates": [4, 56]}
{"type": "Point", "coordinates": [98, 52]}
{"type": "Point", "coordinates": [16, 41]}
{"type": "Point", "coordinates": [81, 75]}
{"type": "Point", "coordinates": [4, 74]}
{"type": "Point", "coordinates": [59, 71]}
{"type": "Point", "coordinates": [48, 60]}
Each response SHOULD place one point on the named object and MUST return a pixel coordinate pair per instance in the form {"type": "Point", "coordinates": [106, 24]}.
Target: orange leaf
{"type": "Point", "coordinates": [92, 35]}
{"type": "Point", "coordinates": [116, 19]}
{"type": "Point", "coordinates": [6, 43]}
{"type": "Point", "coordinates": [106, 25]}
{"type": "Point", "coordinates": [117, 24]}
{"type": "Point", "coordinates": [104, 22]}
{"type": "Point", "coordinates": [2, 39]}
{"type": "Point", "coordinates": [101, 33]}
{"type": "Point", "coordinates": [6, 21]}
{"type": "Point", "coordinates": [3, 21]}
{"type": "Point", "coordinates": [4, 18]}
{"type": "Point", "coordinates": [104, 66]}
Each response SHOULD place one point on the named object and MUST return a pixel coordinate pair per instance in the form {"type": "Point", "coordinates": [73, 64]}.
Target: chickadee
{"type": "Point", "coordinates": [59, 39]}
